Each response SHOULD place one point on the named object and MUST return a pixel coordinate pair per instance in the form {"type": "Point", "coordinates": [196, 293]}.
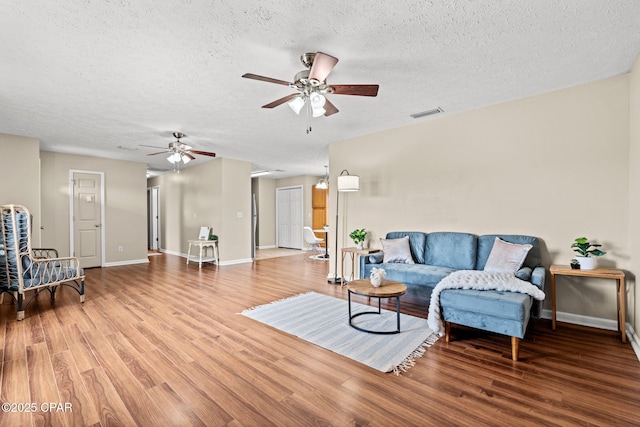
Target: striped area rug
{"type": "Point", "coordinates": [324, 321]}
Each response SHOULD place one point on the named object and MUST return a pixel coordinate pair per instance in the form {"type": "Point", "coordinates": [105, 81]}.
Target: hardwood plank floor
{"type": "Point", "coordinates": [163, 345]}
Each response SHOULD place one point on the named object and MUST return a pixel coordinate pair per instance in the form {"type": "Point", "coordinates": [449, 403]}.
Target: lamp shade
{"type": "Point", "coordinates": [348, 183]}
{"type": "Point", "coordinates": [296, 104]}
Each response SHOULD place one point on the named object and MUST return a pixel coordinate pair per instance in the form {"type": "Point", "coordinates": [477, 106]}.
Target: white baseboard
{"type": "Point", "coordinates": [578, 319]}
{"type": "Point", "coordinates": [597, 322]}
{"type": "Point", "coordinates": [128, 262]}
{"type": "Point", "coordinates": [267, 247]}
{"type": "Point", "coordinates": [634, 339]}
{"type": "Point", "coordinates": [220, 263]}
{"type": "Point", "coordinates": [236, 261]}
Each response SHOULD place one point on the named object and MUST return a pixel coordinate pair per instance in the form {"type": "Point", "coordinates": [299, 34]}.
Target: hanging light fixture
{"type": "Point", "coordinates": [315, 106]}
{"type": "Point", "coordinates": [317, 102]}
{"type": "Point", "coordinates": [323, 184]}
{"type": "Point", "coordinates": [296, 104]}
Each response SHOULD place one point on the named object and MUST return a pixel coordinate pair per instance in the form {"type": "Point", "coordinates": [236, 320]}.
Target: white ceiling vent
{"type": "Point", "coordinates": [427, 113]}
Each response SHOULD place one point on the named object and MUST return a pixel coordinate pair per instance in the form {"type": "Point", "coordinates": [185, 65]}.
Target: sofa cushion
{"type": "Point", "coordinates": [507, 305]}
{"type": "Point", "coordinates": [417, 243]}
{"type": "Point", "coordinates": [506, 257]}
{"type": "Point", "coordinates": [451, 250]}
{"type": "Point", "coordinates": [397, 251]}
{"type": "Point", "coordinates": [414, 274]}
{"type": "Point", "coordinates": [485, 244]}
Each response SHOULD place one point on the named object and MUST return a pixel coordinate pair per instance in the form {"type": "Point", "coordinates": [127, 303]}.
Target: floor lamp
{"type": "Point", "coordinates": [346, 183]}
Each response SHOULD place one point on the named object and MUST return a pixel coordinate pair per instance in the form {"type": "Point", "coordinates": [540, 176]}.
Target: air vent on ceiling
{"type": "Point", "coordinates": [426, 113]}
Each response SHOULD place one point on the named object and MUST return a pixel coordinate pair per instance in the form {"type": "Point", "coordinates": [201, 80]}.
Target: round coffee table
{"type": "Point", "coordinates": [388, 289]}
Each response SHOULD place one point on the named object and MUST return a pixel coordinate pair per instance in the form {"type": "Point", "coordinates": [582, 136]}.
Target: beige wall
{"type": "Point", "coordinates": [554, 166]}
{"type": "Point", "coordinates": [20, 182]}
{"type": "Point", "coordinates": [125, 204]}
{"type": "Point", "coordinates": [633, 290]}
{"type": "Point", "coordinates": [216, 194]}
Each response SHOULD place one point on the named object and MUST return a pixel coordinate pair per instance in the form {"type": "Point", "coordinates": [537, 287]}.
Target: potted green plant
{"type": "Point", "coordinates": [587, 252]}
{"type": "Point", "coordinates": [358, 236]}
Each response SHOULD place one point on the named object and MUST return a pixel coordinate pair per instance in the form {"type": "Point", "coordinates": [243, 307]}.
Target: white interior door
{"type": "Point", "coordinates": [289, 205]}
{"type": "Point", "coordinates": [87, 224]}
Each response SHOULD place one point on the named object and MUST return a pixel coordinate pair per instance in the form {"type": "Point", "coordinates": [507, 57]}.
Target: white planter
{"type": "Point", "coordinates": [586, 263]}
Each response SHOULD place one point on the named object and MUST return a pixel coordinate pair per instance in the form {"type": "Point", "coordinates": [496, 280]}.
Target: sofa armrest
{"type": "Point", "coordinates": [538, 277]}
{"type": "Point", "coordinates": [374, 258]}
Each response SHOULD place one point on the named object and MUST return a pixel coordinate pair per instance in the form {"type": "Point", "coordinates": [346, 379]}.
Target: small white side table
{"type": "Point", "coordinates": [203, 245]}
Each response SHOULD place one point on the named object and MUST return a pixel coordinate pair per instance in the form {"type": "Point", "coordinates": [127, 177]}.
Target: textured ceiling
{"type": "Point", "coordinates": [101, 78]}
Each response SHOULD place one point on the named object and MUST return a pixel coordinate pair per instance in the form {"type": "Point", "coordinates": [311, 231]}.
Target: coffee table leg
{"type": "Point", "coordinates": [398, 312]}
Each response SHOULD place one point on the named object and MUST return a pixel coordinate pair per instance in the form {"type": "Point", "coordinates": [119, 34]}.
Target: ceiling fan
{"type": "Point", "coordinates": [311, 85]}
{"type": "Point", "coordinates": [179, 152]}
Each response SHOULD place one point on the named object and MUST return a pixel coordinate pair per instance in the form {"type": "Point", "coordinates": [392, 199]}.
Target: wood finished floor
{"type": "Point", "coordinates": [162, 345]}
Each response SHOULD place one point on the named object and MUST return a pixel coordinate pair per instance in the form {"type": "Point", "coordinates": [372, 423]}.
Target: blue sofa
{"type": "Point", "coordinates": [438, 254]}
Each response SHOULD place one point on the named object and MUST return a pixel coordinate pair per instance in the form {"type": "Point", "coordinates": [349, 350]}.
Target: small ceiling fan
{"type": "Point", "coordinates": [311, 85]}
{"type": "Point", "coordinates": [179, 152]}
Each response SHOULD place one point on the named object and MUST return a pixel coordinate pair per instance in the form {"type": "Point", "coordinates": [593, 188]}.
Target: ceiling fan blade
{"type": "Point", "coordinates": [155, 154]}
{"type": "Point", "coordinates": [188, 155]}
{"type": "Point", "coordinates": [280, 101]}
{"type": "Point", "coordinates": [360, 90]}
{"type": "Point", "coordinates": [265, 79]}
{"type": "Point", "coordinates": [329, 108]}
{"type": "Point", "coordinates": [203, 153]}
{"type": "Point", "coordinates": [322, 66]}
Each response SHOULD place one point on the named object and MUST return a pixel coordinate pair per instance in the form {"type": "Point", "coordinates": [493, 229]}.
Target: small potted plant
{"type": "Point", "coordinates": [575, 264]}
{"type": "Point", "coordinates": [587, 252]}
{"type": "Point", "coordinates": [358, 236]}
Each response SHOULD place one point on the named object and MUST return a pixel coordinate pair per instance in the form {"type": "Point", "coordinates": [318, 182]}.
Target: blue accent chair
{"type": "Point", "coordinates": [24, 269]}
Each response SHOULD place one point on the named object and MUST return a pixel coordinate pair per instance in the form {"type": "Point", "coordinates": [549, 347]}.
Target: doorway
{"type": "Point", "coordinates": [289, 217]}
{"type": "Point", "coordinates": [153, 220]}
{"type": "Point", "coordinates": [87, 217]}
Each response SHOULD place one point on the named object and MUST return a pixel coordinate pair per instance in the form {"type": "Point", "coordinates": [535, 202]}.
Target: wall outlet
{"type": "Point", "coordinates": [120, 249]}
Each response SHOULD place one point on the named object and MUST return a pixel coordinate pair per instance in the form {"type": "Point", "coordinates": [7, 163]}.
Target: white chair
{"type": "Point", "coordinates": [311, 239]}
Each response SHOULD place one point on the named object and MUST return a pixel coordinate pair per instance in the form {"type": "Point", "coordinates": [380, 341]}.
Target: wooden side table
{"type": "Point", "coordinates": [353, 252]}
{"type": "Point", "coordinates": [600, 273]}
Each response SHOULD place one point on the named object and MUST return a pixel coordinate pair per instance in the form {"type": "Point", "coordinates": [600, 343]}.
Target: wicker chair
{"type": "Point", "coordinates": [23, 268]}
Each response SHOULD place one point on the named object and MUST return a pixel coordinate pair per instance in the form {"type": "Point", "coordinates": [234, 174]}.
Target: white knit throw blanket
{"type": "Point", "coordinates": [480, 280]}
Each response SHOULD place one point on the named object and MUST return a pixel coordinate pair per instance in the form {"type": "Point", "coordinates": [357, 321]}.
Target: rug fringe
{"type": "Point", "coordinates": [418, 352]}
{"type": "Point", "coordinates": [274, 302]}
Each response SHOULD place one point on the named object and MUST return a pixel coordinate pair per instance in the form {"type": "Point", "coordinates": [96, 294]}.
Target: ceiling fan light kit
{"type": "Point", "coordinates": [312, 86]}
{"type": "Point", "coordinates": [179, 152]}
